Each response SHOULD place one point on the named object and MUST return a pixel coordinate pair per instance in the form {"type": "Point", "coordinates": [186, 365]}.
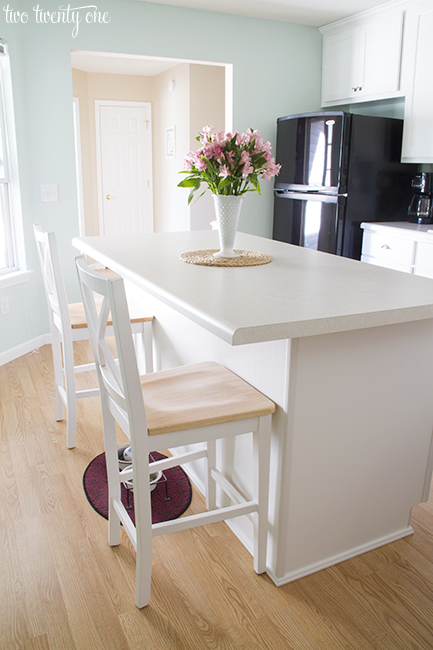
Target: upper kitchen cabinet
{"type": "Point", "coordinates": [417, 83]}
{"type": "Point", "coordinates": [362, 57]}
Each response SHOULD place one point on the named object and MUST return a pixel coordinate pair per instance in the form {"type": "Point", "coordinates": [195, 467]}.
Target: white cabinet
{"type": "Point", "coordinates": [385, 249]}
{"type": "Point", "coordinates": [424, 259]}
{"type": "Point", "coordinates": [362, 57]}
{"type": "Point", "coordinates": [417, 81]}
{"type": "Point", "coordinates": [399, 246]}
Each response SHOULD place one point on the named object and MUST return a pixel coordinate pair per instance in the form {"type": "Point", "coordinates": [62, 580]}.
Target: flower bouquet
{"type": "Point", "coordinates": [230, 164]}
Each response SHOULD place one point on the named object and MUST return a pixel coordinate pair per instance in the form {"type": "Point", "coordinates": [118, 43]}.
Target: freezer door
{"type": "Point", "coordinates": [310, 151]}
{"type": "Point", "coordinates": [309, 221]}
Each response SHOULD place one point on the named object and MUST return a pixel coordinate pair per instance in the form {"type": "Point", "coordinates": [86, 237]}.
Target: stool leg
{"type": "Point", "coordinates": [114, 486]}
{"type": "Point", "coordinates": [143, 344]}
{"type": "Point", "coordinates": [261, 450]}
{"type": "Point", "coordinates": [210, 483]}
{"type": "Point", "coordinates": [58, 370]}
{"type": "Point", "coordinates": [148, 345]}
{"type": "Point", "coordinates": [71, 398]}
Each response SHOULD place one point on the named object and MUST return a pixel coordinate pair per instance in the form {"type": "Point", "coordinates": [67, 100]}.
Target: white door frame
{"type": "Point", "coordinates": [78, 166]}
{"type": "Point", "coordinates": [107, 102]}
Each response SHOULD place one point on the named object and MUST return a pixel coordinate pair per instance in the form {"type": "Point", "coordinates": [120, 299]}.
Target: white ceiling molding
{"type": "Point", "coordinates": [315, 13]}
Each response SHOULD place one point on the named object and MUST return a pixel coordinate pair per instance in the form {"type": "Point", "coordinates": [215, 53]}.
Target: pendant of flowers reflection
{"type": "Point", "coordinates": [230, 164]}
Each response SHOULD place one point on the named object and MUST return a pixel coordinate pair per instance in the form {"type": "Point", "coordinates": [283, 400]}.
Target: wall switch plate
{"type": "Point", "coordinates": [4, 305]}
{"type": "Point", "coordinates": [49, 192]}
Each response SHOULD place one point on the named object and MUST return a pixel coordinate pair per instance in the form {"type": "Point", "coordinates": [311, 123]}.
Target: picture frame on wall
{"type": "Point", "coordinates": [170, 142]}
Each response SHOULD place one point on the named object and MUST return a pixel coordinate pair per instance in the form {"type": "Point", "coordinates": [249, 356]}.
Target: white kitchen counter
{"type": "Point", "coordinates": [301, 293]}
{"type": "Point", "coordinates": [401, 246]}
{"type": "Point", "coordinates": [414, 231]}
{"type": "Point", "coordinates": [345, 350]}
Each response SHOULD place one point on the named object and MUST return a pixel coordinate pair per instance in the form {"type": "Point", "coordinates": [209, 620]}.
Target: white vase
{"type": "Point", "coordinates": [227, 210]}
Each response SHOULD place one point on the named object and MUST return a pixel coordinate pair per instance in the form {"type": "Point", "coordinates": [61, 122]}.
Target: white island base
{"type": "Point", "coordinates": [351, 444]}
{"type": "Point", "coordinates": [350, 452]}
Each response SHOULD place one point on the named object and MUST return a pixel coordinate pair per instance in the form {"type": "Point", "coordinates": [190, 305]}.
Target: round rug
{"type": "Point", "coordinates": [169, 499]}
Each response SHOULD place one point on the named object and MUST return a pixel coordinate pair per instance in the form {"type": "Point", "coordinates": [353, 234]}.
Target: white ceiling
{"type": "Point", "coordinates": [306, 12]}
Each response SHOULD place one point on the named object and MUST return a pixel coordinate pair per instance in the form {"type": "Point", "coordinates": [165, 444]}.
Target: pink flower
{"type": "Point", "coordinates": [208, 151]}
{"type": "Point", "coordinates": [221, 138]}
{"type": "Point", "coordinates": [216, 150]}
{"type": "Point", "coordinates": [224, 171]}
{"type": "Point", "coordinates": [271, 169]}
{"type": "Point", "coordinates": [246, 162]}
{"type": "Point", "coordinates": [229, 157]}
{"type": "Point", "coordinates": [190, 159]}
{"type": "Point", "coordinates": [247, 170]}
{"type": "Point", "coordinates": [201, 164]}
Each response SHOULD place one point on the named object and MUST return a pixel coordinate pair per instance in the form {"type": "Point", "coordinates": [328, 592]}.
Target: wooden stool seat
{"type": "Point", "coordinates": [201, 395]}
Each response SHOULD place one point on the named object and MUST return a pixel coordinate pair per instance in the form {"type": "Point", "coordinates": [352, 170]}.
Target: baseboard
{"type": "Point", "coordinates": [24, 348]}
{"type": "Point", "coordinates": [291, 576]}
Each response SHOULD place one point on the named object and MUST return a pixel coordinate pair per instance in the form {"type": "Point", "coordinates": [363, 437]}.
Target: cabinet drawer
{"type": "Point", "coordinates": [388, 250]}
{"type": "Point", "coordinates": [424, 259]}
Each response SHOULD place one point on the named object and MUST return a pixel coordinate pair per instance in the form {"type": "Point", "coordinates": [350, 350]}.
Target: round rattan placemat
{"type": "Point", "coordinates": [206, 258]}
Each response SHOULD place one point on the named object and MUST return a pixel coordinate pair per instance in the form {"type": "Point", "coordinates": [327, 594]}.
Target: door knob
{"type": "Point", "coordinates": [109, 197]}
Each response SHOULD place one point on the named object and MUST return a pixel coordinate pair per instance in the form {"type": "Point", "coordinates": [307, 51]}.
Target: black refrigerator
{"type": "Point", "coordinates": [337, 170]}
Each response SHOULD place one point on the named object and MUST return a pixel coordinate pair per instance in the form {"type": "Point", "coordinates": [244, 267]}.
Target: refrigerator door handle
{"type": "Point", "coordinates": [306, 196]}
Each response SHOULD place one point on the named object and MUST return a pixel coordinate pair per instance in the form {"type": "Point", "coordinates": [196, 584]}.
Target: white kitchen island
{"type": "Point", "coordinates": [345, 350]}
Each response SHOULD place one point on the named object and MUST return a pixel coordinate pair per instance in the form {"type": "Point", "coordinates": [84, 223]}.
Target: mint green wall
{"type": "Point", "coordinates": [277, 71]}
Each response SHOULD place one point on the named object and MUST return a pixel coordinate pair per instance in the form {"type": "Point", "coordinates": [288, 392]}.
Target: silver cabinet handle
{"type": "Point", "coordinates": [386, 247]}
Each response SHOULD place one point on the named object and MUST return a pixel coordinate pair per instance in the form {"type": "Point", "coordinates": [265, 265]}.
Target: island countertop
{"type": "Point", "coordinates": [300, 293]}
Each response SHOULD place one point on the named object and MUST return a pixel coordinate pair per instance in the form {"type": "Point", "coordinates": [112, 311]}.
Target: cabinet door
{"type": "Point", "coordinates": [381, 43]}
{"type": "Point", "coordinates": [363, 62]}
{"type": "Point", "coordinates": [424, 259]}
{"type": "Point", "coordinates": [418, 84]}
{"type": "Point", "coordinates": [341, 61]}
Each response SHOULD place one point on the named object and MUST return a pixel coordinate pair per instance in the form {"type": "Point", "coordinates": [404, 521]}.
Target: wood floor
{"type": "Point", "coordinates": [63, 587]}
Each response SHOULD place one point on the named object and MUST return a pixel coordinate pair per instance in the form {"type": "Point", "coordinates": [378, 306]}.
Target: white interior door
{"type": "Point", "coordinates": [125, 169]}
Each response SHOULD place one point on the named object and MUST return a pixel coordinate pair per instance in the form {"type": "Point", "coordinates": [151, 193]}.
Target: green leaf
{"type": "Point", "coordinates": [189, 182]}
{"type": "Point", "coordinates": [256, 186]}
{"type": "Point", "coordinates": [224, 183]}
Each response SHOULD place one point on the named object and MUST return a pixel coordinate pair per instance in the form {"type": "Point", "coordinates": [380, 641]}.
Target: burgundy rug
{"type": "Point", "coordinates": [170, 498]}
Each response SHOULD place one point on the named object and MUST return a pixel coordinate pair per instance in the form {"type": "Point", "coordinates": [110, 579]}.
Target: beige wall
{"type": "Point", "coordinates": [170, 109]}
{"type": "Point", "coordinates": [198, 100]}
{"type": "Point", "coordinates": [207, 107]}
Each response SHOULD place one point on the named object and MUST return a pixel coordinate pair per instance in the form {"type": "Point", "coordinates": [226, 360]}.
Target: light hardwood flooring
{"type": "Point", "coordinates": [63, 587]}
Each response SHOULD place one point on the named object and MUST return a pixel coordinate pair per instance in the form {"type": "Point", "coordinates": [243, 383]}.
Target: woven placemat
{"type": "Point", "coordinates": [206, 258]}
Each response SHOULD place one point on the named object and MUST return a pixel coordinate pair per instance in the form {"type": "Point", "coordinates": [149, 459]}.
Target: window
{"type": "Point", "coordinates": [12, 263]}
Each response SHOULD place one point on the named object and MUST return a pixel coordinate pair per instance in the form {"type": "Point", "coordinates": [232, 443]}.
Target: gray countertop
{"type": "Point", "coordinates": [300, 293]}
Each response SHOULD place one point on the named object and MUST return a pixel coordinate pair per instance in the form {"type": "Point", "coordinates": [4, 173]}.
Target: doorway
{"type": "Point", "coordinates": [184, 96]}
{"type": "Point", "coordinates": [124, 163]}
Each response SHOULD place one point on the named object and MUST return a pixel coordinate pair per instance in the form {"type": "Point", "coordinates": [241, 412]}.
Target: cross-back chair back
{"type": "Point", "coordinates": [68, 324]}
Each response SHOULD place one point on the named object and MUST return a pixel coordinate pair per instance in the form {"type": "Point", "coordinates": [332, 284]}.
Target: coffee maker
{"type": "Point", "coordinates": [421, 206]}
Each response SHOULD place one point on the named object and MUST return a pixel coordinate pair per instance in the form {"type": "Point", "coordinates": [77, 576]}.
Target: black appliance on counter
{"type": "Point", "coordinates": [338, 170]}
{"type": "Point", "coordinates": [421, 206]}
